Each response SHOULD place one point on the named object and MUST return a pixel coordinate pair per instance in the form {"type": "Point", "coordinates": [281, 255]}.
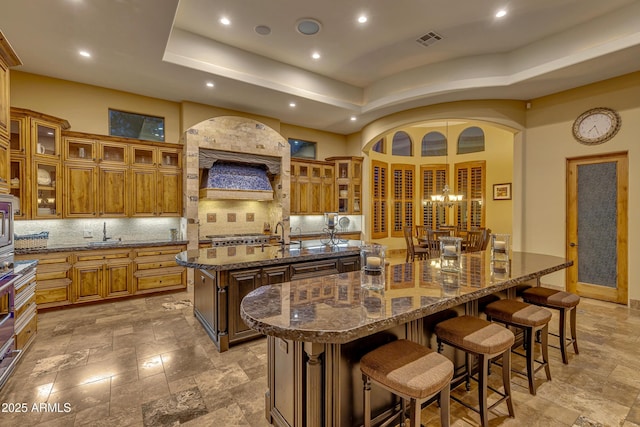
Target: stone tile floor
{"type": "Point", "coordinates": [147, 362]}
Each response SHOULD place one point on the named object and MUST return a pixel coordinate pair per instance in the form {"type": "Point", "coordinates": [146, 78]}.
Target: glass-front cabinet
{"type": "Point", "coordinates": [46, 191]}
{"type": "Point", "coordinates": [17, 185]}
{"type": "Point", "coordinates": [170, 158]}
{"type": "Point", "coordinates": [348, 184]}
{"type": "Point", "coordinates": [113, 153]}
{"type": "Point", "coordinates": [45, 139]}
{"type": "Point", "coordinates": [18, 141]}
{"type": "Point", "coordinates": [80, 150]}
{"type": "Point", "coordinates": [143, 156]}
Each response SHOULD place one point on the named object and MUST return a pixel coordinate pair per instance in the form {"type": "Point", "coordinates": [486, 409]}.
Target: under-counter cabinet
{"type": "Point", "coordinates": [101, 274]}
{"type": "Point", "coordinates": [26, 311]}
{"type": "Point", "coordinates": [67, 278]}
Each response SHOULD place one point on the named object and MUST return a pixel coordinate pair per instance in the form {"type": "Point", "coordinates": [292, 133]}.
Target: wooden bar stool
{"type": "Point", "coordinates": [486, 340]}
{"type": "Point", "coordinates": [410, 371]}
{"type": "Point", "coordinates": [566, 303]}
{"type": "Point", "coordinates": [532, 320]}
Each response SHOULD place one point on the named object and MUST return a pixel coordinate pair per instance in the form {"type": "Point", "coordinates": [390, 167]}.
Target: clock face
{"type": "Point", "coordinates": [596, 126]}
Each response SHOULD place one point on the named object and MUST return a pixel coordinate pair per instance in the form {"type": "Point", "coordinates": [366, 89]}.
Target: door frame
{"type": "Point", "coordinates": [620, 293]}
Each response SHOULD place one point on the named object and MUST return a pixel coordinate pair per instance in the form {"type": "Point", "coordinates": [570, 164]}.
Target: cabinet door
{"type": "Point", "coordinates": [240, 284]}
{"type": "Point", "coordinates": [142, 156]}
{"type": "Point", "coordinates": [45, 139]}
{"type": "Point", "coordinates": [170, 193]}
{"type": "Point", "coordinates": [113, 192]}
{"type": "Point", "coordinates": [18, 142]}
{"type": "Point", "coordinates": [273, 275]}
{"type": "Point", "coordinates": [79, 150]}
{"type": "Point", "coordinates": [87, 282]}
{"type": "Point", "coordinates": [169, 158]}
{"type": "Point", "coordinates": [81, 189]}
{"type": "Point", "coordinates": [4, 165]}
{"type": "Point", "coordinates": [112, 153]}
{"type": "Point", "coordinates": [144, 192]}
{"type": "Point", "coordinates": [45, 197]}
{"type": "Point", "coordinates": [117, 278]}
{"type": "Point", "coordinates": [18, 187]}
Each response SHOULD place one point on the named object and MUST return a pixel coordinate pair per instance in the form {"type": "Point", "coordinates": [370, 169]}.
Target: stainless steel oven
{"type": "Point", "coordinates": [6, 223]}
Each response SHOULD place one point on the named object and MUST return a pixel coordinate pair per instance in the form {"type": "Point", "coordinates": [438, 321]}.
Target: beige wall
{"type": "Point", "coordinates": [548, 142]}
{"type": "Point", "coordinates": [328, 144]}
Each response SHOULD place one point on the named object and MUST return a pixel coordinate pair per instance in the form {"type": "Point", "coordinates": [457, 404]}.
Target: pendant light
{"type": "Point", "coordinates": [446, 199]}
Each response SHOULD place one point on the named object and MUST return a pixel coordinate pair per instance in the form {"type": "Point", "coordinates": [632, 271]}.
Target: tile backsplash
{"type": "Point", "coordinates": [223, 217]}
{"type": "Point", "coordinates": [72, 231]}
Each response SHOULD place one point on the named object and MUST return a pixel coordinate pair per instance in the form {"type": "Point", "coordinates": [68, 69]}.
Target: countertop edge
{"type": "Point", "coordinates": [87, 247]}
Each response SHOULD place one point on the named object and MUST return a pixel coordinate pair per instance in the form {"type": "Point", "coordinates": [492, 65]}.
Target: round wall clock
{"type": "Point", "coordinates": [596, 126]}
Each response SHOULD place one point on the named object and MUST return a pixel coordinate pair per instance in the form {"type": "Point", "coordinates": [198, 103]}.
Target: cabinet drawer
{"type": "Point", "coordinates": [94, 256]}
{"type": "Point", "coordinates": [166, 279]}
{"type": "Point", "coordinates": [53, 292]}
{"type": "Point", "coordinates": [27, 333]}
{"type": "Point", "coordinates": [164, 250]}
{"type": "Point", "coordinates": [26, 306]}
{"type": "Point", "coordinates": [314, 268]}
{"type": "Point", "coordinates": [160, 263]}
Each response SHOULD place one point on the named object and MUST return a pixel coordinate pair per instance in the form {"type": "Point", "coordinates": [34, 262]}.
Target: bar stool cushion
{"type": "Point", "coordinates": [409, 368]}
{"type": "Point", "coordinates": [550, 297]}
{"type": "Point", "coordinates": [518, 312]}
{"type": "Point", "coordinates": [476, 335]}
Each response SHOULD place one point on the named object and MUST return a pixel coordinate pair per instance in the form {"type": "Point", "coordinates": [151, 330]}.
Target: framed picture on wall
{"type": "Point", "coordinates": [502, 191]}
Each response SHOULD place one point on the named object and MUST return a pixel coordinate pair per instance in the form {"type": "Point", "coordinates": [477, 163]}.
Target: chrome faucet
{"type": "Point", "coordinates": [281, 225]}
{"type": "Point", "coordinates": [104, 233]}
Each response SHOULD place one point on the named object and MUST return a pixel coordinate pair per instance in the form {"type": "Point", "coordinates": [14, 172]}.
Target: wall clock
{"type": "Point", "coordinates": [596, 126]}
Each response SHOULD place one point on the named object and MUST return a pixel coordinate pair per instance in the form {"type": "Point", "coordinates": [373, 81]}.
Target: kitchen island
{"type": "Point", "coordinates": [225, 275]}
{"type": "Point", "coordinates": [319, 328]}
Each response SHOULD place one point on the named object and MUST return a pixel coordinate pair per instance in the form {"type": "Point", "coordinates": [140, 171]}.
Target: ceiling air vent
{"type": "Point", "coordinates": [430, 38]}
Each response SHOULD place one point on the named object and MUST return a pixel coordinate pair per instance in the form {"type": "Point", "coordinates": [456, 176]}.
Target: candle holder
{"type": "Point", "coordinates": [450, 283]}
{"type": "Point", "coordinates": [450, 253]}
{"type": "Point", "coordinates": [372, 257]}
{"type": "Point", "coordinates": [331, 220]}
{"type": "Point", "coordinates": [500, 270]}
{"type": "Point", "coordinates": [500, 247]}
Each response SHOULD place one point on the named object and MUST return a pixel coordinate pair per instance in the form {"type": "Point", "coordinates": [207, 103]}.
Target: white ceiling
{"type": "Point", "coordinates": [169, 49]}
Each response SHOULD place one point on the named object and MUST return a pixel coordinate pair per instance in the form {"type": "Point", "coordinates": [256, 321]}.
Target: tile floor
{"type": "Point", "coordinates": [147, 362]}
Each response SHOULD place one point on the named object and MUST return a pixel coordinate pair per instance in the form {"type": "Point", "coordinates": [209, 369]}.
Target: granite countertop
{"type": "Point", "coordinates": [344, 307]}
{"type": "Point", "coordinates": [245, 256]}
{"type": "Point", "coordinates": [109, 244]}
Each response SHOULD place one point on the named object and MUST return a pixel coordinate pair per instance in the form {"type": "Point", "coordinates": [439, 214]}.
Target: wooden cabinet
{"type": "Point", "coordinates": [36, 163]}
{"type": "Point", "coordinates": [113, 193]}
{"type": "Point", "coordinates": [348, 183]}
{"type": "Point", "coordinates": [8, 58]}
{"type": "Point", "coordinates": [156, 192]}
{"type": "Point", "coordinates": [155, 269]}
{"type": "Point", "coordinates": [80, 190]}
{"type": "Point", "coordinates": [101, 274]}
{"type": "Point", "coordinates": [312, 187]}
{"type": "Point", "coordinates": [53, 277]}
{"type": "Point", "coordinates": [26, 311]}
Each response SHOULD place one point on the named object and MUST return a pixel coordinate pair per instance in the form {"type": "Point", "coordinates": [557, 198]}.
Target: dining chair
{"type": "Point", "coordinates": [433, 241]}
{"type": "Point", "coordinates": [473, 241]}
{"type": "Point", "coordinates": [452, 229]}
{"type": "Point", "coordinates": [413, 251]}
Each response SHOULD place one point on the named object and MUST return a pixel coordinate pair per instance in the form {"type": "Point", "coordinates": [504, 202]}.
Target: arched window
{"type": "Point", "coordinates": [434, 144]}
{"type": "Point", "coordinates": [471, 140]}
{"type": "Point", "coordinates": [401, 145]}
{"type": "Point", "coordinates": [378, 146]}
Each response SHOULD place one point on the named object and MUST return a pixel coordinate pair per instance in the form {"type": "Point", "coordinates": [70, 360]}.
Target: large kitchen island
{"type": "Point", "coordinates": [319, 328]}
{"type": "Point", "coordinates": [225, 275]}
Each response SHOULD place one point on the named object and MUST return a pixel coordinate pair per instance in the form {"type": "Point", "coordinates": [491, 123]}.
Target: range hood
{"type": "Point", "coordinates": [237, 176]}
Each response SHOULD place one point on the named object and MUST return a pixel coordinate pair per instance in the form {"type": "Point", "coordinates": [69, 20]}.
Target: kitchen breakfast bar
{"type": "Point", "coordinates": [318, 328]}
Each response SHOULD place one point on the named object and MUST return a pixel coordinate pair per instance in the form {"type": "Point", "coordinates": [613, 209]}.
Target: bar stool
{"type": "Point", "coordinates": [532, 320]}
{"type": "Point", "coordinates": [410, 371]}
{"type": "Point", "coordinates": [565, 302]}
{"type": "Point", "coordinates": [485, 340]}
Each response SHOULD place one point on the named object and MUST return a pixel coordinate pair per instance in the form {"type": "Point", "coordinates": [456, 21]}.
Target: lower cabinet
{"type": "Point", "coordinates": [66, 278]}
{"type": "Point", "coordinates": [25, 309]}
{"type": "Point", "coordinates": [218, 294]}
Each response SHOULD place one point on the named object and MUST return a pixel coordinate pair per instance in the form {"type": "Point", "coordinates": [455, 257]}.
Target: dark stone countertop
{"type": "Point", "coordinates": [246, 256]}
{"type": "Point", "coordinates": [343, 307]}
{"type": "Point", "coordinates": [72, 247]}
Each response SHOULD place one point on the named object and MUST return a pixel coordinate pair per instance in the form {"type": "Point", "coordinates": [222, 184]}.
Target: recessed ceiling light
{"type": "Point", "coordinates": [210, 84]}
{"type": "Point", "coordinates": [353, 118]}
{"type": "Point", "coordinates": [315, 55]}
{"type": "Point", "coordinates": [225, 21]}
{"type": "Point", "coordinates": [501, 13]}
{"type": "Point", "coordinates": [292, 104]}
{"type": "Point", "coordinates": [84, 53]}
{"type": "Point", "coordinates": [362, 19]}
{"type": "Point", "coordinates": [308, 26]}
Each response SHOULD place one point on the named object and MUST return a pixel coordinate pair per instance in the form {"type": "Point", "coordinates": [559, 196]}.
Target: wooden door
{"type": "Point", "coordinates": [597, 228]}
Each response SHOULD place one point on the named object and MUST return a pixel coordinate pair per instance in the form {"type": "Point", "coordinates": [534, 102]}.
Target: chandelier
{"type": "Point", "coordinates": [445, 199]}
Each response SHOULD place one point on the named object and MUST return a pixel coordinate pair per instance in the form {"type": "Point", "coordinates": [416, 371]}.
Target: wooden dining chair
{"type": "Point", "coordinates": [473, 241]}
{"type": "Point", "coordinates": [413, 251]}
{"type": "Point", "coordinates": [433, 241]}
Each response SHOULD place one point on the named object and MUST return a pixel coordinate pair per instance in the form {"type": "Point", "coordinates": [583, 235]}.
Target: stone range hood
{"type": "Point", "coordinates": [236, 176]}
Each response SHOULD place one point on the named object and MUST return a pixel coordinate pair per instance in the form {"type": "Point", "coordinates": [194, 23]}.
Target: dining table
{"type": "Point", "coordinates": [318, 328]}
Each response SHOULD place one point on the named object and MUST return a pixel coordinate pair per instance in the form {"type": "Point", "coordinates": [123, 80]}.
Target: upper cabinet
{"type": "Point", "coordinates": [348, 184]}
{"type": "Point", "coordinates": [312, 187]}
{"type": "Point", "coordinates": [8, 58]}
{"type": "Point", "coordinates": [36, 164]}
